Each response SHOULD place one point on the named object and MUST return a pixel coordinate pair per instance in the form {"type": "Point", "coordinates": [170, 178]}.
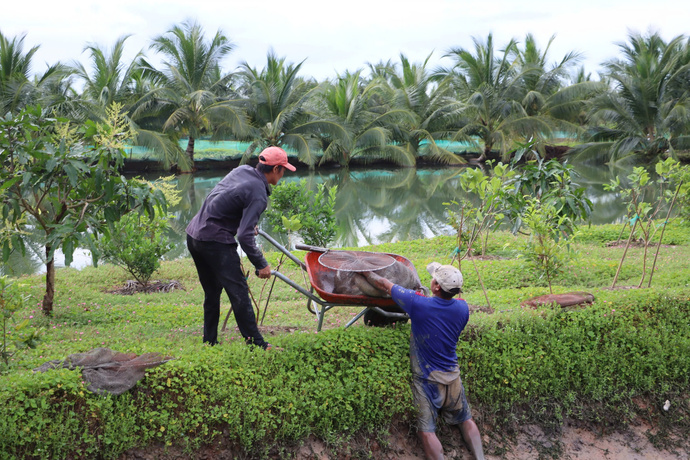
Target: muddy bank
{"type": "Point", "coordinates": [573, 442]}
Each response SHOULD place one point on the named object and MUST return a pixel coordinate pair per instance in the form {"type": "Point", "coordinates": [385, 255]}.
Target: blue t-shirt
{"type": "Point", "coordinates": [436, 327]}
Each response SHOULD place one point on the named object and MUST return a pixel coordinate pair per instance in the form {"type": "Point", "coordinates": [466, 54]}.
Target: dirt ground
{"type": "Point", "coordinates": [574, 444]}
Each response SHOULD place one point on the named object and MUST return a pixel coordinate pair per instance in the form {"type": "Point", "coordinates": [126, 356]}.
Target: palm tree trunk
{"type": "Point", "coordinates": [50, 283]}
{"type": "Point", "coordinates": [190, 156]}
{"type": "Point", "coordinates": [485, 153]}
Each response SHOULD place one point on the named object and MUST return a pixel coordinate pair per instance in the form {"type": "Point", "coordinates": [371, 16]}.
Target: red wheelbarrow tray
{"type": "Point", "coordinates": [317, 272]}
{"type": "Point", "coordinates": [326, 298]}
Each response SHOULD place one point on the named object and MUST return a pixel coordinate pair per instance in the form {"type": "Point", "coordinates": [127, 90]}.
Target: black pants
{"type": "Point", "coordinates": [218, 266]}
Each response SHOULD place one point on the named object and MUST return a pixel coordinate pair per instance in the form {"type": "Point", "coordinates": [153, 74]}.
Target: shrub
{"type": "Point", "coordinates": [137, 244]}
{"type": "Point", "coordinates": [15, 336]}
{"type": "Point", "coordinates": [314, 211]}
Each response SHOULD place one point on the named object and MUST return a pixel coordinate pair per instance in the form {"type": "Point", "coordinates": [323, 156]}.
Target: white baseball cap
{"type": "Point", "coordinates": [447, 276]}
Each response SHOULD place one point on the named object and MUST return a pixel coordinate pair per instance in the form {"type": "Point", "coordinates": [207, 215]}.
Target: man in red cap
{"type": "Point", "coordinates": [228, 217]}
{"type": "Point", "coordinates": [437, 322]}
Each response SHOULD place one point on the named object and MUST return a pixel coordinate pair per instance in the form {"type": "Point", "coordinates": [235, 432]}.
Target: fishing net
{"type": "Point", "coordinates": [108, 371]}
{"type": "Point", "coordinates": [355, 261]}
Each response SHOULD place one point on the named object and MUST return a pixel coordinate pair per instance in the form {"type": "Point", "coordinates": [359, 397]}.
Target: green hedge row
{"type": "Point", "coordinates": [343, 381]}
{"type": "Point", "coordinates": [330, 384]}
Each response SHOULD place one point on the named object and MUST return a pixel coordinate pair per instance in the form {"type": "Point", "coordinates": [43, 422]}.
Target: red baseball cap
{"type": "Point", "coordinates": [273, 156]}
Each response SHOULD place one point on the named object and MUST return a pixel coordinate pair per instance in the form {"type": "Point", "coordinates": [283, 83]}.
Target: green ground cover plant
{"type": "Point", "coordinates": [606, 364]}
{"type": "Point", "coordinates": [14, 335]}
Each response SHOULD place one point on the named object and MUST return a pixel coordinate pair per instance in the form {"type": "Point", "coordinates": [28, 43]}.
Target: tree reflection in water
{"type": "Point", "coordinates": [376, 206]}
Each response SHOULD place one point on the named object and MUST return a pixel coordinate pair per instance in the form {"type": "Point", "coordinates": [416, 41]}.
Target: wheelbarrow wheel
{"type": "Point", "coordinates": [375, 319]}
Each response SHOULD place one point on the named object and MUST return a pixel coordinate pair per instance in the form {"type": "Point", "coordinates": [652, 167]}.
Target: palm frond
{"type": "Point", "coordinates": [167, 150]}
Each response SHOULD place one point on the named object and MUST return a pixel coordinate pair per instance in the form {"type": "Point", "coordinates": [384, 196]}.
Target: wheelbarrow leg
{"type": "Point", "coordinates": [320, 313]}
{"type": "Point", "coordinates": [359, 315]}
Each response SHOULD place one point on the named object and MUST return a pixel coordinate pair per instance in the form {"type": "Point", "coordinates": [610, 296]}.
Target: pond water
{"type": "Point", "coordinates": [373, 206]}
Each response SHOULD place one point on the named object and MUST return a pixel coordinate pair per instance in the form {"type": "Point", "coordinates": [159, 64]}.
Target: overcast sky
{"type": "Point", "coordinates": [345, 35]}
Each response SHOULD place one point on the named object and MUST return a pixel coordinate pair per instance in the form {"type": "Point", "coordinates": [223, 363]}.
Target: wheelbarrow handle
{"type": "Point", "coordinates": [282, 249]}
{"type": "Point", "coordinates": [306, 247]}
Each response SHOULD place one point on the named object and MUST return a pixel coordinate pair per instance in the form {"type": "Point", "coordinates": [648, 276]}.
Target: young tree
{"type": "Point", "coordinates": [546, 250]}
{"type": "Point", "coordinates": [65, 182]}
{"type": "Point", "coordinates": [472, 221]}
{"type": "Point", "coordinates": [552, 183]}
{"type": "Point", "coordinates": [646, 199]}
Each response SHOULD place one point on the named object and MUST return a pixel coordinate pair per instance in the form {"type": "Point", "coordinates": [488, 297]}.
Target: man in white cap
{"type": "Point", "coordinates": [227, 217]}
{"type": "Point", "coordinates": [437, 322]}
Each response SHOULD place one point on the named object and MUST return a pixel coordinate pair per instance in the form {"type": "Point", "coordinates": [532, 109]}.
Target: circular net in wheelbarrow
{"type": "Point", "coordinates": [355, 261]}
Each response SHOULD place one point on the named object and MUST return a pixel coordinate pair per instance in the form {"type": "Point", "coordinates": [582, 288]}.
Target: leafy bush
{"type": "Point", "coordinates": [137, 244]}
{"type": "Point", "coordinates": [550, 182]}
{"type": "Point", "coordinates": [596, 353]}
{"type": "Point", "coordinates": [314, 211]}
{"type": "Point", "coordinates": [333, 384]}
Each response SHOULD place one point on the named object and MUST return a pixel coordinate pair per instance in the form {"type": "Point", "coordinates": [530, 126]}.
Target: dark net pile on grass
{"type": "Point", "coordinates": [107, 371]}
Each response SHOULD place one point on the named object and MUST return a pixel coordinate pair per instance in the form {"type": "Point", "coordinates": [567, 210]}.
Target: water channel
{"type": "Point", "coordinates": [373, 206]}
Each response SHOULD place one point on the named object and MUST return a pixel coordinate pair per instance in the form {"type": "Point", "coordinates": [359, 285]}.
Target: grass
{"type": "Point", "coordinates": [519, 365]}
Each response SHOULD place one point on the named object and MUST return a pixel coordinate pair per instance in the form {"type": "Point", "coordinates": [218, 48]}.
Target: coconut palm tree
{"type": "Point", "coordinates": [548, 96]}
{"type": "Point", "coordinates": [648, 112]}
{"type": "Point", "coordinates": [17, 89]}
{"type": "Point", "coordinates": [15, 66]}
{"type": "Point", "coordinates": [190, 92]}
{"type": "Point", "coordinates": [111, 80]}
{"type": "Point", "coordinates": [356, 105]}
{"type": "Point", "coordinates": [540, 79]}
{"type": "Point", "coordinates": [280, 108]}
{"type": "Point", "coordinates": [414, 89]}
{"type": "Point", "coordinates": [491, 86]}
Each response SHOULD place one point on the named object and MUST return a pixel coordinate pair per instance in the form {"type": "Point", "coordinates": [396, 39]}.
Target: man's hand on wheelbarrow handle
{"type": "Point", "coordinates": [264, 272]}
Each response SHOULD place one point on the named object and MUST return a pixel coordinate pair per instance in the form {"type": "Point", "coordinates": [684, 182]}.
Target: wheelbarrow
{"type": "Point", "coordinates": [320, 296]}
